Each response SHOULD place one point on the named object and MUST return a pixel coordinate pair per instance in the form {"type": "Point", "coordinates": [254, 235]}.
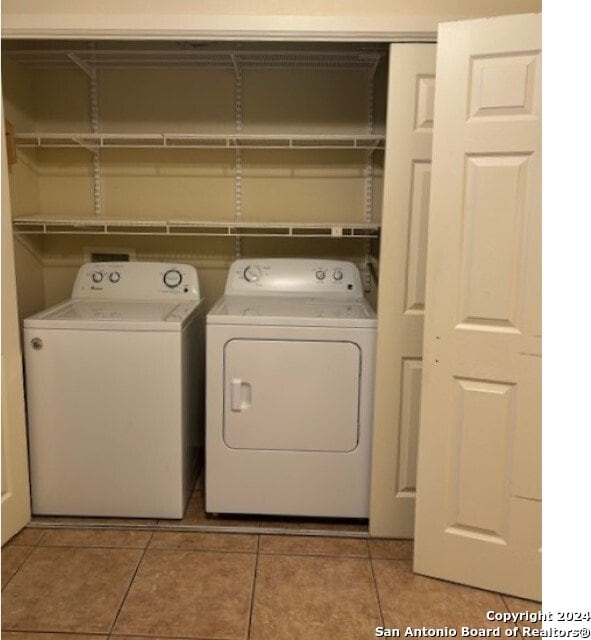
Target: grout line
{"type": "Point", "coordinates": [41, 539]}
{"type": "Point", "coordinates": [22, 632]}
{"type": "Point", "coordinates": [110, 630]}
{"type": "Point", "coordinates": [32, 547]}
{"type": "Point", "coordinates": [161, 637]}
{"type": "Point", "coordinates": [314, 555]}
{"type": "Point", "coordinates": [204, 550]}
{"type": "Point", "coordinates": [505, 603]}
{"type": "Point", "coordinates": [377, 591]}
{"type": "Point", "coordinates": [252, 591]}
{"type": "Point", "coordinates": [91, 546]}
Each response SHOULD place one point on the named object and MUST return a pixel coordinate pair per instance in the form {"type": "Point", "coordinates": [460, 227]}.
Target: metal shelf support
{"type": "Point", "coordinates": [238, 114]}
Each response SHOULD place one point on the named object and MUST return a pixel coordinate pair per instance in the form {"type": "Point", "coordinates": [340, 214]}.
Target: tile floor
{"type": "Point", "coordinates": [84, 584]}
{"type": "Point", "coordinates": [251, 581]}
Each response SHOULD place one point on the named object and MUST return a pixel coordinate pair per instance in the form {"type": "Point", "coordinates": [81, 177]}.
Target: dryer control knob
{"type": "Point", "coordinates": [320, 274]}
{"type": "Point", "coordinates": [338, 274]}
{"type": "Point", "coordinates": [172, 278]}
{"type": "Point", "coordinates": [114, 276]}
{"type": "Point", "coordinates": [97, 276]}
{"type": "Point", "coordinates": [252, 273]}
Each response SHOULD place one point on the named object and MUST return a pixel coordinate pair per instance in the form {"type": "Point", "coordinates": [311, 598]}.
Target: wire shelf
{"type": "Point", "coordinates": [95, 141]}
{"type": "Point", "coordinates": [35, 225]}
{"type": "Point", "coordinates": [198, 58]}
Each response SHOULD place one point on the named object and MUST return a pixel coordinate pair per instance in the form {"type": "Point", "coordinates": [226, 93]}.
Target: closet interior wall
{"type": "Point", "coordinates": [134, 97]}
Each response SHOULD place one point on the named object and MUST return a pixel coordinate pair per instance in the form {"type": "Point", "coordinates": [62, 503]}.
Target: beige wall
{"type": "Point", "coordinates": [268, 19]}
{"type": "Point", "coordinates": [46, 267]}
{"type": "Point", "coordinates": [283, 7]}
{"type": "Point", "coordinates": [29, 278]}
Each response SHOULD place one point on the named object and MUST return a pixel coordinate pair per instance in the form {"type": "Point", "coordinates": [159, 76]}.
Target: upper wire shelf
{"type": "Point", "coordinates": [196, 58]}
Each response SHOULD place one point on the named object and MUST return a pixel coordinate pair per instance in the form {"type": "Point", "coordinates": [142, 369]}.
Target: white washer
{"type": "Point", "coordinates": [114, 380]}
{"type": "Point", "coordinates": [290, 365]}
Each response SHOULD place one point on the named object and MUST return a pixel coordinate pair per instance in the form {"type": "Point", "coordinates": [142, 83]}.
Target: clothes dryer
{"type": "Point", "coordinates": [290, 367]}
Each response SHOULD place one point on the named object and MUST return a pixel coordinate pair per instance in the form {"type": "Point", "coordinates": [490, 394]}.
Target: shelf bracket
{"type": "Point", "coordinates": [88, 70]}
{"type": "Point", "coordinates": [85, 146]}
{"type": "Point", "coordinates": [369, 179]}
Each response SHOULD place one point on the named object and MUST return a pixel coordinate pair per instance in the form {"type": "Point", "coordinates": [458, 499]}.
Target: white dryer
{"type": "Point", "coordinates": [290, 367]}
{"type": "Point", "coordinates": [114, 380]}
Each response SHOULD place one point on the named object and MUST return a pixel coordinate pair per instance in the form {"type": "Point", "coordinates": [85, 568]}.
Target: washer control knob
{"type": "Point", "coordinates": [337, 275]}
{"type": "Point", "coordinates": [252, 273]}
{"type": "Point", "coordinates": [320, 274]}
{"type": "Point", "coordinates": [172, 278]}
{"type": "Point", "coordinates": [114, 276]}
{"type": "Point", "coordinates": [97, 276]}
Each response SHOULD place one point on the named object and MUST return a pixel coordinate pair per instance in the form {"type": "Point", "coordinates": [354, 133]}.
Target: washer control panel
{"type": "Point", "coordinates": [286, 275]}
{"type": "Point", "coordinates": [136, 281]}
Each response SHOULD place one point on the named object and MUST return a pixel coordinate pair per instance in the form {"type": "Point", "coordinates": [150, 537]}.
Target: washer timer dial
{"type": "Point", "coordinates": [252, 273]}
{"type": "Point", "coordinates": [172, 278]}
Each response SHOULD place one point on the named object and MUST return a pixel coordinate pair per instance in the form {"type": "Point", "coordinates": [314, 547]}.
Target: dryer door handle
{"type": "Point", "coordinates": [240, 395]}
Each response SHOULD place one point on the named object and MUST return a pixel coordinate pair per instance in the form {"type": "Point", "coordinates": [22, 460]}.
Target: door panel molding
{"type": "Point", "coordinates": [401, 303]}
{"type": "Point", "coordinates": [478, 480]}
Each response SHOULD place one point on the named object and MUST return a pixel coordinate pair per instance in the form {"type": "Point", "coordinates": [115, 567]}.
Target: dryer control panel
{"type": "Point", "coordinates": [136, 281]}
{"type": "Point", "coordinates": [296, 276]}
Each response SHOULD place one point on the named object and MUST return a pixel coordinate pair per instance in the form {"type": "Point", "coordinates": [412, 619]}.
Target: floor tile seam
{"type": "Point", "coordinates": [313, 555]}
{"type": "Point", "coordinates": [124, 598]}
{"type": "Point", "coordinates": [251, 552]}
{"type": "Point", "coordinates": [390, 558]}
{"type": "Point", "coordinates": [63, 633]}
{"type": "Point", "coordinates": [15, 543]}
{"type": "Point", "coordinates": [252, 592]}
{"type": "Point", "coordinates": [90, 546]}
{"type": "Point", "coordinates": [204, 551]}
{"type": "Point", "coordinates": [161, 637]}
{"type": "Point", "coordinates": [504, 601]}
{"type": "Point", "coordinates": [22, 564]}
{"type": "Point", "coordinates": [41, 539]}
{"type": "Point", "coordinates": [104, 634]}
{"type": "Point", "coordinates": [377, 592]}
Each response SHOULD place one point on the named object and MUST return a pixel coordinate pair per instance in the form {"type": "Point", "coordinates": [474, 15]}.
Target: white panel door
{"type": "Point", "coordinates": [294, 395]}
{"type": "Point", "coordinates": [401, 305]}
{"type": "Point", "coordinates": [16, 509]}
{"type": "Point", "coordinates": [478, 513]}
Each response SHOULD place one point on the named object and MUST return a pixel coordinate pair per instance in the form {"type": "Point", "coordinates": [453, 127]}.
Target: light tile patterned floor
{"type": "Point", "coordinates": [134, 584]}
{"type": "Point", "coordinates": [121, 584]}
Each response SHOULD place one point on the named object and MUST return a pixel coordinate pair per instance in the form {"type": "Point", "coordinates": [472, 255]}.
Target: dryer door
{"type": "Point", "coordinates": [291, 395]}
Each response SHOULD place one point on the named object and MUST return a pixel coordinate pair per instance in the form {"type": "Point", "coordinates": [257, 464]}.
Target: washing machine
{"type": "Point", "coordinates": [115, 400]}
{"type": "Point", "coordinates": [290, 369]}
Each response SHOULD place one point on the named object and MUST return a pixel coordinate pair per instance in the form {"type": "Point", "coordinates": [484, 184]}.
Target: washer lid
{"type": "Point", "coordinates": [114, 315]}
{"type": "Point", "coordinates": [292, 311]}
